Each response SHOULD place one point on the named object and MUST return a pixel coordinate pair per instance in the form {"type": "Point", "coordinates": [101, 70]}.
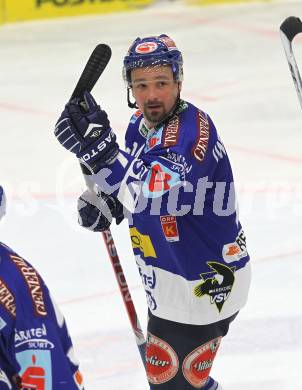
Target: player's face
{"type": "Point", "coordinates": [155, 92]}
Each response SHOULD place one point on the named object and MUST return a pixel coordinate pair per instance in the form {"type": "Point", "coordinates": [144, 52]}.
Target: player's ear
{"type": "Point", "coordinates": [2, 202]}
{"type": "Point", "coordinates": [179, 86]}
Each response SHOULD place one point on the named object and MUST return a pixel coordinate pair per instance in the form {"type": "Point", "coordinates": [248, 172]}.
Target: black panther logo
{"type": "Point", "coordinates": [217, 284]}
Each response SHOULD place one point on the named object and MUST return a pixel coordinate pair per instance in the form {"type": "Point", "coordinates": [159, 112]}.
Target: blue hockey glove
{"type": "Point", "coordinates": [95, 211]}
{"type": "Point", "coordinates": [2, 203]}
{"type": "Point", "coordinates": [84, 129]}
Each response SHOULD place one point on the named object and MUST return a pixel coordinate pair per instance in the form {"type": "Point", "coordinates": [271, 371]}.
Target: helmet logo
{"type": "Point", "coordinates": [168, 42]}
{"type": "Point", "coordinates": [146, 47]}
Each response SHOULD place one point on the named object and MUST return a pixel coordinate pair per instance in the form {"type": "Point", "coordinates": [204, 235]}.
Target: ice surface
{"type": "Point", "coordinates": [236, 70]}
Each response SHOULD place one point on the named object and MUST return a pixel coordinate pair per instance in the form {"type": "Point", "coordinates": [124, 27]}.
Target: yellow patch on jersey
{"type": "Point", "coordinates": [142, 242]}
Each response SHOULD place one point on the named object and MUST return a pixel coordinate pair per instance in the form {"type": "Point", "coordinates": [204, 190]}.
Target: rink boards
{"type": "Point", "coordinates": [17, 10]}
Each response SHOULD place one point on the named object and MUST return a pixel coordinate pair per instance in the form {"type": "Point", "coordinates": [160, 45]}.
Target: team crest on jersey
{"type": "Point", "coordinates": [217, 284]}
{"type": "Point", "coordinates": [160, 180]}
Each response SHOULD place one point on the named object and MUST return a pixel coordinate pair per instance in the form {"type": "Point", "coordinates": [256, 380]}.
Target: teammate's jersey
{"type": "Point", "coordinates": [177, 182]}
{"type": "Point", "coordinates": [35, 348]}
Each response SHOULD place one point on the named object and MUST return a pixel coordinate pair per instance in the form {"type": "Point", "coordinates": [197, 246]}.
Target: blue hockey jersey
{"type": "Point", "coordinates": [176, 182]}
{"type": "Point", "coordinates": [35, 348]}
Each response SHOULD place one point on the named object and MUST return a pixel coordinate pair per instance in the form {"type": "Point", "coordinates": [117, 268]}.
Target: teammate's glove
{"type": "Point", "coordinates": [84, 129]}
{"type": "Point", "coordinates": [2, 203]}
{"type": "Point", "coordinates": [95, 211]}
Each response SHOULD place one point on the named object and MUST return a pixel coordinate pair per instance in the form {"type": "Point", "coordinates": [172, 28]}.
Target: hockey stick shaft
{"type": "Point", "coordinates": [291, 27]}
{"type": "Point", "coordinates": [95, 66]}
{"type": "Point", "coordinates": [125, 292]}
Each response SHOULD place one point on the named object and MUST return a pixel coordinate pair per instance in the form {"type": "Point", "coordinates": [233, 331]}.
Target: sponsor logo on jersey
{"type": "Point", "coordinates": [135, 116]}
{"type": "Point", "coordinates": [33, 282]}
{"type": "Point", "coordinates": [235, 250]}
{"type": "Point", "coordinates": [148, 277]}
{"type": "Point", "coordinates": [161, 360]}
{"type": "Point", "coordinates": [151, 300]}
{"type": "Point", "coordinates": [142, 242]}
{"type": "Point", "coordinates": [201, 146]}
{"type": "Point", "coordinates": [7, 299]}
{"type": "Point", "coordinates": [146, 47]}
{"type": "Point", "coordinates": [34, 338]}
{"type": "Point", "coordinates": [35, 370]}
{"type": "Point", "coordinates": [216, 284]}
{"type": "Point", "coordinates": [149, 282]}
{"type": "Point", "coordinates": [171, 132]}
{"type": "Point", "coordinates": [180, 164]}
{"type": "Point", "coordinates": [197, 365]}
{"type": "Point", "coordinates": [169, 226]}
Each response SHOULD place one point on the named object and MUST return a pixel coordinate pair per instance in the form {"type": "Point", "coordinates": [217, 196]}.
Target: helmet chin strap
{"type": "Point", "coordinates": [130, 104]}
{"type": "Point", "coordinates": [174, 108]}
{"type": "Point", "coordinates": [172, 111]}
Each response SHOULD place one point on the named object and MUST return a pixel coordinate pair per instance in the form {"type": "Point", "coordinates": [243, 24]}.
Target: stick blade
{"type": "Point", "coordinates": [291, 27]}
{"type": "Point", "coordinates": [95, 66]}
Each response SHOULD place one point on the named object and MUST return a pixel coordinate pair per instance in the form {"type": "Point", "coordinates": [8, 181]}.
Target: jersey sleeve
{"type": "Point", "coordinates": [44, 351]}
{"type": "Point", "coordinates": [36, 350]}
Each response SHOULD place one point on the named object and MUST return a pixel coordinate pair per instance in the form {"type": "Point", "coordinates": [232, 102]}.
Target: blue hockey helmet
{"type": "Point", "coordinates": [153, 51]}
{"type": "Point", "coordinates": [2, 202]}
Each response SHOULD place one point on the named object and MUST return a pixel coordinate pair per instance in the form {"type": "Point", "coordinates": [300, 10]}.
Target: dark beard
{"type": "Point", "coordinates": [155, 117]}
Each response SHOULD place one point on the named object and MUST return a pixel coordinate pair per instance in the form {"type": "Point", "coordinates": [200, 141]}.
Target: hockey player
{"type": "Point", "coordinates": [35, 348]}
{"type": "Point", "coordinates": [175, 185]}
